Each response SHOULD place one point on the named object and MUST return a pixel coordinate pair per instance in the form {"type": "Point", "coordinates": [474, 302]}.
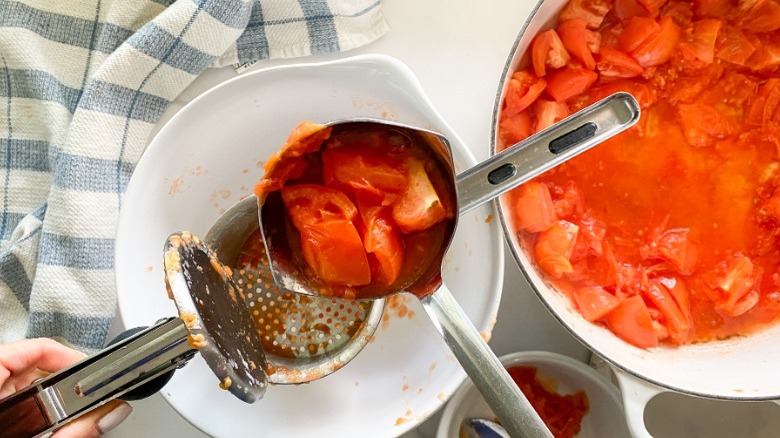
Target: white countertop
{"type": "Point", "coordinates": [457, 50]}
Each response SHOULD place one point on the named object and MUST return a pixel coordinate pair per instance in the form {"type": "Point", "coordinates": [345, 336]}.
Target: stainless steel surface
{"type": "Point", "coordinates": [227, 238]}
{"type": "Point", "coordinates": [481, 428]}
{"type": "Point", "coordinates": [533, 156]}
{"type": "Point", "coordinates": [108, 374]}
{"type": "Point", "coordinates": [483, 367]}
{"type": "Point", "coordinates": [217, 321]}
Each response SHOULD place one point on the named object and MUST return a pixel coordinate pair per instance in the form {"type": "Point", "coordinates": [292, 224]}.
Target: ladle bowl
{"type": "Point", "coordinates": [473, 187]}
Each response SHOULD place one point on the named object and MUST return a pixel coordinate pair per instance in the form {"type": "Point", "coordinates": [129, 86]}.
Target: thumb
{"type": "Point", "coordinates": [96, 422]}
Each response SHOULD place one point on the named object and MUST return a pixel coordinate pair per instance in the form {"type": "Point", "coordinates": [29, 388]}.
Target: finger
{"type": "Point", "coordinates": [46, 354]}
{"type": "Point", "coordinates": [97, 422]}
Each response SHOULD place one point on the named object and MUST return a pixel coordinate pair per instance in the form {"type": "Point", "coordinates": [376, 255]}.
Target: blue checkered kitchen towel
{"type": "Point", "coordinates": [82, 84]}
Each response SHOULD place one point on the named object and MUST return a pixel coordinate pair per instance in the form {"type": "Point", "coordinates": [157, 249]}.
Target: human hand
{"type": "Point", "coordinates": [24, 361]}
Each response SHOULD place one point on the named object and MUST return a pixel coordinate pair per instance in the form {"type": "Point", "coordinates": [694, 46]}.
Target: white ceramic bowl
{"type": "Point", "coordinates": [603, 420]}
{"type": "Point", "coordinates": [207, 157]}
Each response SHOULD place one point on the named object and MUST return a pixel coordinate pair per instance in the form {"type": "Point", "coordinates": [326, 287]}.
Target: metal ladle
{"type": "Point", "coordinates": [473, 187]}
{"type": "Point", "coordinates": [141, 361]}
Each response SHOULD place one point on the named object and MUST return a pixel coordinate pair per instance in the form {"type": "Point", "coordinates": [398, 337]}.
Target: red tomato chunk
{"type": "Point", "coordinates": [363, 201]}
{"type": "Point", "coordinates": [670, 232]}
{"type": "Point", "coordinates": [562, 414]}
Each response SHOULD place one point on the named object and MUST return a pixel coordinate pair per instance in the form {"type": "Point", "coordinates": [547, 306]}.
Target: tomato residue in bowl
{"type": "Point", "coordinates": [561, 413]}
{"type": "Point", "coordinates": [669, 231]}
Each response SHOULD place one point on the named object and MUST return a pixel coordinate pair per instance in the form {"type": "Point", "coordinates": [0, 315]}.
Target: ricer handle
{"type": "Point", "coordinates": [114, 372]}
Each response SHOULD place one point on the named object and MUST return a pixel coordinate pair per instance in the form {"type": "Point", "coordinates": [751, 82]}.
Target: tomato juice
{"type": "Point", "coordinates": [669, 231]}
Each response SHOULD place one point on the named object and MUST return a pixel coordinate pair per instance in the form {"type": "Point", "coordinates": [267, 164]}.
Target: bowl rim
{"type": "Point", "coordinates": [576, 367]}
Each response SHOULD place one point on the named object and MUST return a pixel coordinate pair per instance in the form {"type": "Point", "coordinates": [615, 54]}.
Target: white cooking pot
{"type": "Point", "coordinates": [740, 369]}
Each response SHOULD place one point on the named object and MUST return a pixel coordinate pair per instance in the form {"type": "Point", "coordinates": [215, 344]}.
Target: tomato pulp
{"type": "Point", "coordinates": [668, 232]}
{"type": "Point", "coordinates": [368, 205]}
{"type": "Point", "coordinates": [562, 414]}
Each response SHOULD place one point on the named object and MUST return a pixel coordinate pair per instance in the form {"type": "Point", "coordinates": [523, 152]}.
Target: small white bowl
{"type": "Point", "coordinates": [605, 418]}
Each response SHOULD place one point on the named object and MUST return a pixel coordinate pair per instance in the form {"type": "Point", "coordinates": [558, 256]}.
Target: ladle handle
{"type": "Point", "coordinates": [490, 377]}
{"type": "Point", "coordinates": [545, 150]}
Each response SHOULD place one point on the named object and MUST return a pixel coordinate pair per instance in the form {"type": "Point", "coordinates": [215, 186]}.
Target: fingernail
{"type": "Point", "coordinates": [113, 418]}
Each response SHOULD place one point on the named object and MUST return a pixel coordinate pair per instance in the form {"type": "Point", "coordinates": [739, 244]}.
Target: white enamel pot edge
{"type": "Point", "coordinates": [738, 369]}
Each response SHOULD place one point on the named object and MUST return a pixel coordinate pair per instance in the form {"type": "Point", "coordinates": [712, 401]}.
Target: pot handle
{"type": "Point", "coordinates": [636, 394]}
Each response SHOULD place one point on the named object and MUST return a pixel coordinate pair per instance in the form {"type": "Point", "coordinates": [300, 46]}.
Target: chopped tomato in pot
{"type": "Point", "coordinates": [595, 302]}
{"type": "Point", "coordinates": [658, 48]}
{"type": "Point", "coordinates": [616, 64]}
{"type": "Point", "coordinates": [534, 207]}
{"type": "Point", "coordinates": [554, 247]}
{"type": "Point", "coordinates": [579, 41]}
{"type": "Point", "coordinates": [699, 43]}
{"type": "Point", "coordinates": [547, 50]}
{"type": "Point", "coordinates": [548, 112]}
{"type": "Point", "coordinates": [592, 11]}
{"type": "Point", "coordinates": [636, 30]}
{"type": "Point", "coordinates": [568, 82]}
{"type": "Point", "coordinates": [523, 89]}
{"type": "Point", "coordinates": [516, 128]}
{"type": "Point", "coordinates": [705, 156]}
{"type": "Point", "coordinates": [631, 321]}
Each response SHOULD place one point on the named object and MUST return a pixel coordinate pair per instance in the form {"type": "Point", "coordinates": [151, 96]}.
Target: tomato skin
{"type": "Point", "coordinates": [382, 239]}
{"type": "Point", "coordinates": [736, 280]}
{"type": "Point", "coordinates": [309, 204]}
{"type": "Point", "coordinates": [636, 30]}
{"type": "Point", "coordinates": [592, 11]}
{"type": "Point", "coordinates": [357, 168]}
{"type": "Point", "coordinates": [658, 48]}
{"type": "Point", "coordinates": [616, 64]}
{"type": "Point", "coordinates": [548, 112]}
{"type": "Point", "coordinates": [653, 6]}
{"type": "Point", "coordinates": [327, 244]}
{"type": "Point", "coordinates": [547, 50]}
{"type": "Point", "coordinates": [625, 9]}
{"type": "Point", "coordinates": [677, 324]}
{"type": "Point", "coordinates": [766, 58]}
{"type": "Point", "coordinates": [515, 128]}
{"type": "Point", "coordinates": [568, 82]}
{"type": "Point", "coordinates": [288, 162]}
{"type": "Point", "coordinates": [631, 321]}
{"type": "Point", "coordinates": [554, 247]}
{"type": "Point", "coordinates": [579, 41]}
{"type": "Point", "coordinates": [594, 302]}
{"type": "Point", "coordinates": [703, 124]}
{"type": "Point", "coordinates": [323, 217]}
{"type": "Point", "coordinates": [675, 247]}
{"type": "Point", "coordinates": [765, 17]}
{"type": "Point", "coordinates": [700, 43]}
{"type": "Point", "coordinates": [523, 89]}
{"type": "Point", "coordinates": [419, 207]}
{"type": "Point", "coordinates": [765, 104]}
{"type": "Point", "coordinates": [534, 207]}
{"type": "Point", "coordinates": [733, 46]}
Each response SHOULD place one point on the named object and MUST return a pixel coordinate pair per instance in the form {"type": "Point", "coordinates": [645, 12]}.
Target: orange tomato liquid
{"type": "Point", "coordinates": [714, 178]}
{"type": "Point", "coordinates": [561, 413]}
